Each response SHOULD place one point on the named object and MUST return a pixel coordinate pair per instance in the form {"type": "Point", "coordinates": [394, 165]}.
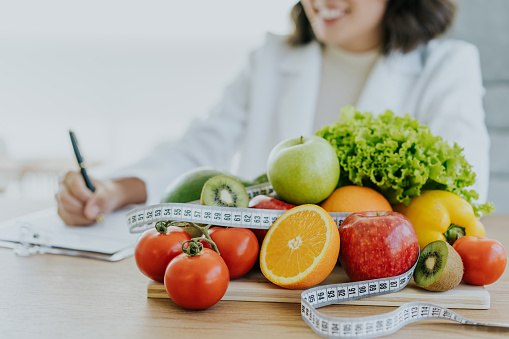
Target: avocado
{"type": "Point", "coordinates": [188, 186]}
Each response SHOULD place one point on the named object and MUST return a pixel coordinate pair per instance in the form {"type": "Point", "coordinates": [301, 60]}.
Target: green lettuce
{"type": "Point", "coordinates": [398, 157]}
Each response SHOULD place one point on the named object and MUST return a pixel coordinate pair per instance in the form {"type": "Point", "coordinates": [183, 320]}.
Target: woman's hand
{"type": "Point", "coordinates": [77, 205]}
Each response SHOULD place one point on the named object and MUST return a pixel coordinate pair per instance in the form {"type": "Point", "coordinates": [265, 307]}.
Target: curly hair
{"type": "Point", "coordinates": [406, 24]}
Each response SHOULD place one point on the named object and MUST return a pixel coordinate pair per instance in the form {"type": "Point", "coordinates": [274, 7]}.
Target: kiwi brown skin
{"type": "Point", "coordinates": [451, 275]}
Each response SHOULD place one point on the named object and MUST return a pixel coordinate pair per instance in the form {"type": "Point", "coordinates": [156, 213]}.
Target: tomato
{"type": "Point", "coordinates": [154, 251]}
{"type": "Point", "coordinates": [484, 259]}
{"type": "Point", "coordinates": [197, 282]}
{"type": "Point", "coordinates": [238, 247]}
{"type": "Point", "coordinates": [260, 235]}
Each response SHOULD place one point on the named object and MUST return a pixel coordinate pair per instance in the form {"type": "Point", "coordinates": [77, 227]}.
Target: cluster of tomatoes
{"type": "Point", "coordinates": [194, 275]}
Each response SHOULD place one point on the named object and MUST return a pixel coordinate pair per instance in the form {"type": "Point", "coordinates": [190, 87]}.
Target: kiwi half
{"type": "Point", "coordinates": [439, 267]}
{"type": "Point", "coordinates": [224, 191]}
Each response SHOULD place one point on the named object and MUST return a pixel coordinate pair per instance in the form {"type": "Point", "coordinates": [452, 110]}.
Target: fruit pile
{"type": "Point", "coordinates": [375, 241]}
{"type": "Point", "coordinates": [437, 231]}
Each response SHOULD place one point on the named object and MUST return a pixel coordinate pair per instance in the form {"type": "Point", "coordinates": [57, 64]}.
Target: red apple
{"type": "Point", "coordinates": [377, 245]}
{"type": "Point", "coordinates": [267, 203]}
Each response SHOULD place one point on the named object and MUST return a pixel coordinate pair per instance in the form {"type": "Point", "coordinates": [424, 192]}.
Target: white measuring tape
{"type": "Point", "coordinates": [376, 325]}
{"type": "Point", "coordinates": [143, 218]}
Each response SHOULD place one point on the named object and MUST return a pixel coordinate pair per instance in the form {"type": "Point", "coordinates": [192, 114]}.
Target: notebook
{"type": "Point", "coordinates": [45, 232]}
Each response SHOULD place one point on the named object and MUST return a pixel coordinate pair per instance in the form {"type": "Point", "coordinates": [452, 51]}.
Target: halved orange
{"type": "Point", "coordinates": [301, 248]}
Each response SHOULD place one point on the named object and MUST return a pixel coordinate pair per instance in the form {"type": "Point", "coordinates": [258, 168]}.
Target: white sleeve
{"type": "Point", "coordinates": [453, 107]}
{"type": "Point", "coordinates": [210, 141]}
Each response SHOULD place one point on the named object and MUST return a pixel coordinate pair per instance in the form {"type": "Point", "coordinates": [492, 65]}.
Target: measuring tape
{"type": "Point", "coordinates": [143, 218]}
{"type": "Point", "coordinates": [376, 325]}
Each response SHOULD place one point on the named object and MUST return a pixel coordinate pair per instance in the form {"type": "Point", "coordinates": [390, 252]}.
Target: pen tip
{"type": "Point", "coordinates": [100, 218]}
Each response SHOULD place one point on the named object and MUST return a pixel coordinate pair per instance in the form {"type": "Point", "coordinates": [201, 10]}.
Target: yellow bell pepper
{"type": "Point", "coordinates": [441, 215]}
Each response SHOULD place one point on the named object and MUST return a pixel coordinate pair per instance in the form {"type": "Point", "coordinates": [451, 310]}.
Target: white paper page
{"type": "Point", "coordinates": [109, 237]}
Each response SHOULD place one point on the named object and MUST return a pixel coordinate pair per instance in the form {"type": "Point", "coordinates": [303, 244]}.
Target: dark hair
{"type": "Point", "coordinates": [406, 23]}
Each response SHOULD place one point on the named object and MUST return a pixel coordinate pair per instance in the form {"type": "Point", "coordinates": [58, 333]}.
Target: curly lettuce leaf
{"type": "Point", "coordinates": [399, 157]}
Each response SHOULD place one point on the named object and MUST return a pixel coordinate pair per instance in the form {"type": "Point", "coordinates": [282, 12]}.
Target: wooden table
{"type": "Point", "coordinates": [49, 296]}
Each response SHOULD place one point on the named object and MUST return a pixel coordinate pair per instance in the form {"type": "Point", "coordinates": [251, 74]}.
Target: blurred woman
{"type": "Point", "coordinates": [373, 54]}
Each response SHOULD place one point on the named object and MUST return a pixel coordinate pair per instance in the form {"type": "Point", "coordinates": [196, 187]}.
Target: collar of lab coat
{"type": "Point", "coordinates": [387, 80]}
{"type": "Point", "coordinates": [301, 70]}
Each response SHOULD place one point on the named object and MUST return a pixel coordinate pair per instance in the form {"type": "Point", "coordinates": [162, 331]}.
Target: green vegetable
{"type": "Point", "coordinates": [399, 157]}
{"type": "Point", "coordinates": [188, 186]}
{"type": "Point", "coordinates": [261, 179]}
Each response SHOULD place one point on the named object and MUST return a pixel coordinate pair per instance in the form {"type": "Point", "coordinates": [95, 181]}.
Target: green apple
{"type": "Point", "coordinates": [303, 170]}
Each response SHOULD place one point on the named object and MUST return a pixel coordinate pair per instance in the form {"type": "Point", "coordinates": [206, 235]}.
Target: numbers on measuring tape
{"type": "Point", "coordinates": [142, 218]}
{"type": "Point", "coordinates": [207, 215]}
{"type": "Point", "coordinates": [261, 189]}
{"type": "Point", "coordinates": [177, 212]}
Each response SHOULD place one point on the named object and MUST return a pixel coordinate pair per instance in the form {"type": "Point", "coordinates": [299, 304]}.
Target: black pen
{"type": "Point", "coordinates": [83, 170]}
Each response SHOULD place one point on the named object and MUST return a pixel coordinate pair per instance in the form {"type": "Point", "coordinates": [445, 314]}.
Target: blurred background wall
{"type": "Point", "coordinates": [485, 24]}
{"type": "Point", "coordinates": [127, 75]}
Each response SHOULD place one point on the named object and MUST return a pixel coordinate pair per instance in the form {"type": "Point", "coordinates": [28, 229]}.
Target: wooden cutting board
{"type": "Point", "coordinates": [255, 287]}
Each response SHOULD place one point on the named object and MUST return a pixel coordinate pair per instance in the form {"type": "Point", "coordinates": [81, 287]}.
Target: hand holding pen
{"type": "Point", "coordinates": [82, 200]}
{"type": "Point", "coordinates": [81, 162]}
{"type": "Point", "coordinates": [83, 171]}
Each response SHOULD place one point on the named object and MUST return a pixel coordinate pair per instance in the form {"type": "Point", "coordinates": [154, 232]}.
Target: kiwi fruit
{"type": "Point", "coordinates": [224, 191]}
{"type": "Point", "coordinates": [188, 186]}
{"type": "Point", "coordinates": [439, 267]}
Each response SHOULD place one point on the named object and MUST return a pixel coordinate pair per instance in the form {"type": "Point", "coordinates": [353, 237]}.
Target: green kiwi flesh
{"type": "Point", "coordinates": [224, 191]}
{"type": "Point", "coordinates": [439, 267]}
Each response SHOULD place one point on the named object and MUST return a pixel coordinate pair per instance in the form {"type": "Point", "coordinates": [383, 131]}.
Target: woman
{"type": "Point", "coordinates": [373, 54]}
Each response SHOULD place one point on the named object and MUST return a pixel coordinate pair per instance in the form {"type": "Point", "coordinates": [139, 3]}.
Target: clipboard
{"type": "Point", "coordinates": [44, 232]}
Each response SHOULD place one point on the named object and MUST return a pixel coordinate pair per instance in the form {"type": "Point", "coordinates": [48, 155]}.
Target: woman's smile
{"type": "Point", "coordinates": [354, 25]}
{"type": "Point", "coordinates": [329, 14]}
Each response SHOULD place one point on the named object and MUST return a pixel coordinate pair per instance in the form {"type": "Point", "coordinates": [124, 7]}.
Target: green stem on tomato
{"type": "Point", "coordinates": [193, 248]}
{"type": "Point", "coordinates": [162, 226]}
{"type": "Point", "coordinates": [203, 229]}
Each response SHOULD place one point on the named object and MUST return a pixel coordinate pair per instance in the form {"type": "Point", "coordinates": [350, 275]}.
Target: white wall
{"type": "Point", "coordinates": [124, 75]}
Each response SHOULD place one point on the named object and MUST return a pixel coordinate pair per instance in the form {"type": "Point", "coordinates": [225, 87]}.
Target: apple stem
{"type": "Point", "coordinates": [301, 139]}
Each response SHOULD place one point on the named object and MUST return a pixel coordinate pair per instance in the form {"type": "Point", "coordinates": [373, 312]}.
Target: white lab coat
{"type": "Point", "coordinates": [275, 96]}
